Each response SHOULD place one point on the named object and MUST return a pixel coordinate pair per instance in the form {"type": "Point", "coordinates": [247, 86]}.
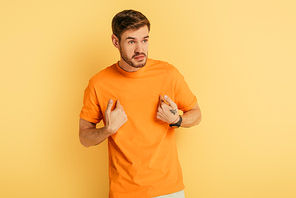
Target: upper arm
{"type": "Point", "coordinates": [195, 112]}
{"type": "Point", "coordinates": [196, 107]}
{"type": "Point", "coordinates": [91, 110]}
{"type": "Point", "coordinates": [191, 117]}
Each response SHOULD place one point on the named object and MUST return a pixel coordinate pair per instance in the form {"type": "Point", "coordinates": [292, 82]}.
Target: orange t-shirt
{"type": "Point", "coordinates": [143, 159]}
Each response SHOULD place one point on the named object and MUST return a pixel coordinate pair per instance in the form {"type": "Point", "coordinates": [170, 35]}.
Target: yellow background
{"type": "Point", "coordinates": [237, 56]}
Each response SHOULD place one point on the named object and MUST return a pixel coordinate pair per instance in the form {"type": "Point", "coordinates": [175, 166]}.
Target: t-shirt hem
{"type": "Point", "coordinates": [149, 195]}
{"type": "Point", "coordinates": [167, 192]}
{"type": "Point", "coordinates": [190, 106]}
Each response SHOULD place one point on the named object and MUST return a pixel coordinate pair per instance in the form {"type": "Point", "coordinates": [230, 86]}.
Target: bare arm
{"type": "Point", "coordinates": [192, 117]}
{"type": "Point", "coordinates": [168, 112]}
{"type": "Point", "coordinates": [88, 133]}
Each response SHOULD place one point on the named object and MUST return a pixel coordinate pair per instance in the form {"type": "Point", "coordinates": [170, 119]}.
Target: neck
{"type": "Point", "coordinates": [126, 67]}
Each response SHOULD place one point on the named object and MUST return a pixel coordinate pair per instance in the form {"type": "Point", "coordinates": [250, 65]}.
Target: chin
{"type": "Point", "coordinates": [140, 64]}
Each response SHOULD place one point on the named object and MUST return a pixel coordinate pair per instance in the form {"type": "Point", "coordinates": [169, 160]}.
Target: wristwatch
{"type": "Point", "coordinates": [178, 124]}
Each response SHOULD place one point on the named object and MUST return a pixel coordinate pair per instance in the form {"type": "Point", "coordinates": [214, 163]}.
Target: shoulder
{"type": "Point", "coordinates": [104, 74]}
{"type": "Point", "coordinates": [163, 65]}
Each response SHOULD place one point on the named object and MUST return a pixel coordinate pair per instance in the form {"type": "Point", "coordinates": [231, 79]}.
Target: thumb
{"type": "Point", "coordinates": [167, 99]}
{"type": "Point", "coordinates": [109, 106]}
{"type": "Point", "coordinates": [108, 110]}
{"type": "Point", "coordinates": [162, 100]}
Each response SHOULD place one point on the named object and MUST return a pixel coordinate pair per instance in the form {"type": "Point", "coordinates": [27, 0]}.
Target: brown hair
{"type": "Point", "coordinates": [128, 19]}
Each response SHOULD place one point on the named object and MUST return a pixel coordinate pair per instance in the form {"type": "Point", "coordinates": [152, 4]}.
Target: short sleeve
{"type": "Point", "coordinates": [91, 111]}
{"type": "Point", "coordinates": [184, 98]}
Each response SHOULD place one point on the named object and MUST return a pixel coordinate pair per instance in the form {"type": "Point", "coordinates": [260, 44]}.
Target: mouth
{"type": "Point", "coordinates": [139, 57]}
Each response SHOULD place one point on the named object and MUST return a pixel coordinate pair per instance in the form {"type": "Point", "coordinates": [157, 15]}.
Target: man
{"type": "Point", "coordinates": [138, 100]}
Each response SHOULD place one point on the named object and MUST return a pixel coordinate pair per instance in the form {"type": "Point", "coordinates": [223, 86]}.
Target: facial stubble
{"type": "Point", "coordinates": [130, 62]}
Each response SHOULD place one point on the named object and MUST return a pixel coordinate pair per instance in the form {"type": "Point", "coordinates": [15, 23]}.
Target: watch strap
{"type": "Point", "coordinates": [178, 124]}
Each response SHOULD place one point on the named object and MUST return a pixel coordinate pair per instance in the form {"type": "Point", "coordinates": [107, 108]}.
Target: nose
{"type": "Point", "coordinates": [139, 48]}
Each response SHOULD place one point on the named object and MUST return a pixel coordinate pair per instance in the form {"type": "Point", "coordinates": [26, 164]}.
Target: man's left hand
{"type": "Point", "coordinates": [167, 110]}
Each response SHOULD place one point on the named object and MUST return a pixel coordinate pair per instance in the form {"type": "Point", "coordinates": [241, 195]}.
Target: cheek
{"type": "Point", "coordinates": [129, 52]}
{"type": "Point", "coordinates": [146, 47]}
{"type": "Point", "coordinates": [126, 51]}
{"type": "Point", "coordinates": [129, 49]}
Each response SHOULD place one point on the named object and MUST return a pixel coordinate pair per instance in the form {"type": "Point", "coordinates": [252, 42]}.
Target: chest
{"type": "Point", "coordinates": [136, 95]}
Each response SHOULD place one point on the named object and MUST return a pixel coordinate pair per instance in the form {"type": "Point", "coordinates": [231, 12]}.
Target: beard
{"type": "Point", "coordinates": [133, 62]}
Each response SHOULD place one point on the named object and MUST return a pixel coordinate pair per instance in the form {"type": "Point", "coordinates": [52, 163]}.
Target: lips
{"type": "Point", "coordinates": [139, 56]}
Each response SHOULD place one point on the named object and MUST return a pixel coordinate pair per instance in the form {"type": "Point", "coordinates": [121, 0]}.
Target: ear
{"type": "Point", "coordinates": [115, 41]}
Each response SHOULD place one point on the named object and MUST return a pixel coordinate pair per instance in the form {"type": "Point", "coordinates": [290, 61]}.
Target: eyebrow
{"type": "Point", "coordinates": [135, 38]}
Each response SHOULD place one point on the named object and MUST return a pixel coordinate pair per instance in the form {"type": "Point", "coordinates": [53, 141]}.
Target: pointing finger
{"type": "Point", "coordinates": [160, 98]}
{"type": "Point", "coordinates": [160, 101]}
{"type": "Point", "coordinates": [118, 105]}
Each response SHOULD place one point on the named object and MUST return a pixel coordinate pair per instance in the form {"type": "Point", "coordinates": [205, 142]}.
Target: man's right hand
{"type": "Point", "coordinates": [116, 118]}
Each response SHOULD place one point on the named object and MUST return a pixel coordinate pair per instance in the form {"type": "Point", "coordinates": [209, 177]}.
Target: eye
{"type": "Point", "coordinates": [131, 42]}
{"type": "Point", "coordinates": [145, 41]}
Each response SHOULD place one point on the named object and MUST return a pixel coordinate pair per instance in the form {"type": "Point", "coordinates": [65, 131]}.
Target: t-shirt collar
{"type": "Point", "coordinates": [134, 74]}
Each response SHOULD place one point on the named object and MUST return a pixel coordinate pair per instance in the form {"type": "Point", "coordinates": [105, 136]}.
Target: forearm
{"type": "Point", "coordinates": [93, 136]}
{"type": "Point", "coordinates": [191, 118]}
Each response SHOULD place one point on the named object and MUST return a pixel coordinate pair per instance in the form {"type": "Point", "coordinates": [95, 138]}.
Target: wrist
{"type": "Point", "coordinates": [108, 130]}
{"type": "Point", "coordinates": [177, 120]}
{"type": "Point", "coordinates": [177, 123]}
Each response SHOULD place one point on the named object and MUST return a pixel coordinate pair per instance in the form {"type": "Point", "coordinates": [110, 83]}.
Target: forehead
{"type": "Point", "coordinates": [136, 33]}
